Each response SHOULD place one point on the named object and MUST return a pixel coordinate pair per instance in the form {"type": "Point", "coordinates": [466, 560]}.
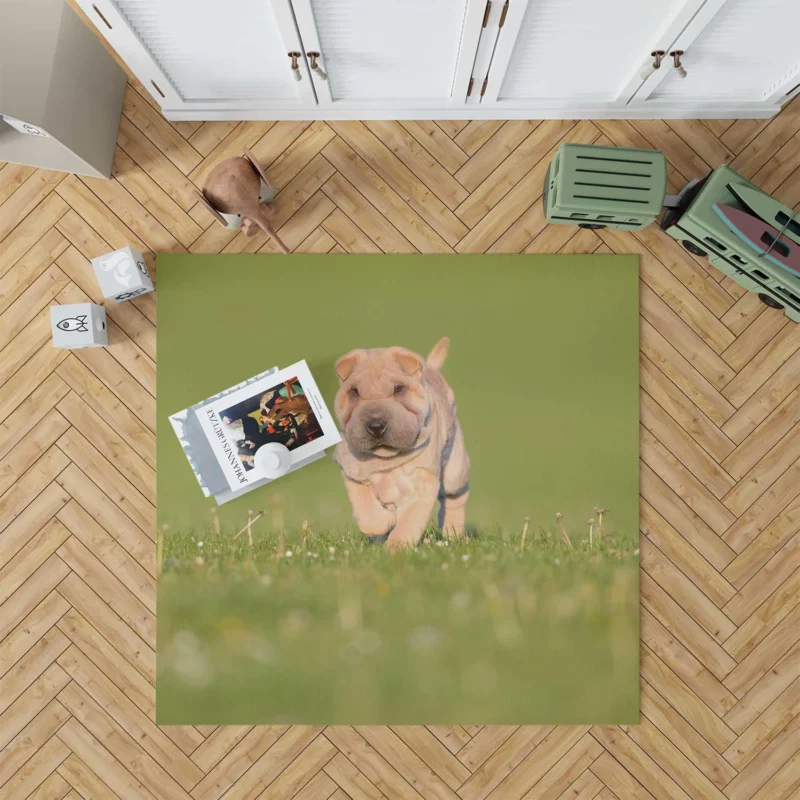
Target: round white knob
{"type": "Point", "coordinates": [273, 460]}
{"type": "Point", "coordinates": [676, 55]}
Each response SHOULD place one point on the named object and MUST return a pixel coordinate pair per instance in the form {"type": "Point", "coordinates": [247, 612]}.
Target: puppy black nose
{"type": "Point", "coordinates": [376, 427]}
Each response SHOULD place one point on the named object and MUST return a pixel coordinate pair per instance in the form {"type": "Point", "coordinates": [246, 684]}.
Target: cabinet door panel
{"type": "Point", "coordinates": [383, 51]}
{"type": "Point", "coordinates": [581, 51]}
{"type": "Point", "coordinates": [209, 53]}
{"type": "Point", "coordinates": [746, 52]}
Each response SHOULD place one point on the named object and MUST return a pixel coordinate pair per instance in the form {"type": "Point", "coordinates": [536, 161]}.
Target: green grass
{"type": "Point", "coordinates": [326, 627]}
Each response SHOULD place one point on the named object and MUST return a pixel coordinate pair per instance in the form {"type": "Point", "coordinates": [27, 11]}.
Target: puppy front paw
{"type": "Point", "coordinates": [398, 545]}
{"type": "Point", "coordinates": [378, 520]}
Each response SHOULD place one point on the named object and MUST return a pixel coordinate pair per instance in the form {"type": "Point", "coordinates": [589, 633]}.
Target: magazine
{"type": "Point", "coordinates": [283, 406]}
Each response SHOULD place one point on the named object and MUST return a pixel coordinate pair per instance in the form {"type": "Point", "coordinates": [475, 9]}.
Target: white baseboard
{"type": "Point", "coordinates": [370, 112]}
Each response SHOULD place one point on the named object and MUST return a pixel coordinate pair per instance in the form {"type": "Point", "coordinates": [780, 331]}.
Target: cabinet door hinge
{"type": "Point", "coordinates": [503, 15]}
{"type": "Point", "coordinates": [486, 13]}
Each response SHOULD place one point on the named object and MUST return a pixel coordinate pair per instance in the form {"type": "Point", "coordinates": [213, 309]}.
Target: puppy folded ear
{"type": "Point", "coordinates": [346, 364]}
{"type": "Point", "coordinates": [437, 356]}
{"type": "Point", "coordinates": [409, 362]}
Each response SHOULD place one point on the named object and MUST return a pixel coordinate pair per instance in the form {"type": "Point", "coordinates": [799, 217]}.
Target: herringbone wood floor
{"type": "Point", "coordinates": [720, 505]}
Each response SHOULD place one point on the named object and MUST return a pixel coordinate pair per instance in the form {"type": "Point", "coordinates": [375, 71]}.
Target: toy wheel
{"type": "Point", "coordinates": [693, 248]}
{"type": "Point", "coordinates": [769, 301]}
{"type": "Point", "coordinates": [592, 226]}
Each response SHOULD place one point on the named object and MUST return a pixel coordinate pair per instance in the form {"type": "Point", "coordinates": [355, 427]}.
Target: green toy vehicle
{"type": "Point", "coordinates": [605, 187]}
{"type": "Point", "coordinates": [702, 232]}
{"type": "Point", "coordinates": [598, 187]}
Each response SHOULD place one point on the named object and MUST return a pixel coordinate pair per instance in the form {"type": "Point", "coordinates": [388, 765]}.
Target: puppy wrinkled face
{"type": "Point", "coordinates": [381, 403]}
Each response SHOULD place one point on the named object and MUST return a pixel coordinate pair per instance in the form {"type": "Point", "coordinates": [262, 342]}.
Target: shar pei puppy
{"type": "Point", "coordinates": [403, 448]}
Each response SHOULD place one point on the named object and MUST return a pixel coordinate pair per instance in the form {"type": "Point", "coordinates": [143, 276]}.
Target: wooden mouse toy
{"type": "Point", "coordinates": [236, 192]}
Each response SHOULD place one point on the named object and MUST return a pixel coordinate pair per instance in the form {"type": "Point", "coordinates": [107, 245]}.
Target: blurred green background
{"type": "Point", "coordinates": [543, 362]}
{"type": "Point", "coordinates": [544, 365]}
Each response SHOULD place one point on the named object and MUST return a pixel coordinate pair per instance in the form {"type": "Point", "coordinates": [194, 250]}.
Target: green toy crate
{"type": "Point", "coordinates": [702, 232]}
{"type": "Point", "coordinates": [598, 187]}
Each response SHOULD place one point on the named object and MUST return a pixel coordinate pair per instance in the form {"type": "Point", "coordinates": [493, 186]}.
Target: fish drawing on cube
{"type": "Point", "coordinates": [122, 275]}
{"type": "Point", "coordinates": [78, 325]}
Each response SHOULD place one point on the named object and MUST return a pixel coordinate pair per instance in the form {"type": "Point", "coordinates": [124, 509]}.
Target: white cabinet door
{"type": "Point", "coordinates": [206, 53]}
{"type": "Point", "coordinates": [383, 54]}
{"type": "Point", "coordinates": [579, 53]}
{"type": "Point", "coordinates": [745, 51]}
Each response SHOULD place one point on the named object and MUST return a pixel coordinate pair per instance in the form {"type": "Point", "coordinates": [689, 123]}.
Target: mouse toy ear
{"type": "Point", "coordinates": [213, 211]}
{"type": "Point", "coordinates": [408, 361]}
{"type": "Point", "coordinates": [256, 166]}
{"type": "Point", "coordinates": [346, 364]}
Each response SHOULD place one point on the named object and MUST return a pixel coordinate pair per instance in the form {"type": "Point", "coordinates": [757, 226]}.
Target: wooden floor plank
{"type": "Point", "coordinates": [426, 168]}
{"type": "Point", "coordinates": [144, 153]}
{"type": "Point", "coordinates": [765, 692]}
{"type": "Point", "coordinates": [12, 176]}
{"type": "Point", "coordinates": [108, 587]}
{"type": "Point", "coordinates": [30, 230]}
{"type": "Point", "coordinates": [772, 503]}
{"type": "Point", "coordinates": [673, 657]}
{"type": "Point", "coordinates": [685, 738]}
{"type": "Point", "coordinates": [353, 205]}
{"type": "Point", "coordinates": [108, 660]}
{"type": "Point", "coordinates": [120, 744]}
{"type": "Point", "coordinates": [501, 180]}
{"type": "Point", "coordinates": [30, 267]}
{"type": "Point", "coordinates": [209, 135]}
{"type": "Point", "coordinates": [527, 187]}
{"type": "Point", "coordinates": [384, 198]}
{"type": "Point", "coordinates": [684, 556]}
{"type": "Point", "coordinates": [152, 197]}
{"type": "Point", "coordinates": [685, 412]}
{"type": "Point", "coordinates": [298, 154]}
{"type": "Point", "coordinates": [402, 180]}
{"type": "Point", "coordinates": [30, 630]}
{"type": "Point", "coordinates": [110, 480]}
{"type": "Point", "coordinates": [132, 647]}
{"type": "Point", "coordinates": [683, 447]}
{"type": "Point", "coordinates": [686, 702]}
{"type": "Point", "coordinates": [109, 444]}
{"type": "Point", "coordinates": [437, 143]}
{"type": "Point", "coordinates": [32, 737]}
{"type": "Point", "coordinates": [26, 198]}
{"type": "Point", "coordinates": [686, 377]}
{"type": "Point", "coordinates": [108, 515]}
{"type": "Point", "coordinates": [764, 400]}
{"type": "Point", "coordinates": [159, 131]}
{"type": "Point", "coordinates": [692, 635]}
{"type": "Point", "coordinates": [277, 141]}
{"type": "Point", "coordinates": [235, 763]}
{"type": "Point", "coordinates": [101, 765]}
{"type": "Point", "coordinates": [673, 581]}
{"type": "Point", "coordinates": [84, 782]}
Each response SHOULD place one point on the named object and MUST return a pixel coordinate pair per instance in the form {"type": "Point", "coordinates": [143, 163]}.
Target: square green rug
{"type": "Point", "coordinates": [531, 619]}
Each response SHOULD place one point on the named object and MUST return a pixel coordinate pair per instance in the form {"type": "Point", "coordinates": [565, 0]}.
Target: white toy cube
{"type": "Point", "coordinates": [78, 325]}
{"type": "Point", "coordinates": [122, 274]}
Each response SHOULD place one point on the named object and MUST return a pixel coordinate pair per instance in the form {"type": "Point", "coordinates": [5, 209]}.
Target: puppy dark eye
{"type": "Point", "coordinates": [353, 391]}
{"type": "Point", "coordinates": [398, 387]}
